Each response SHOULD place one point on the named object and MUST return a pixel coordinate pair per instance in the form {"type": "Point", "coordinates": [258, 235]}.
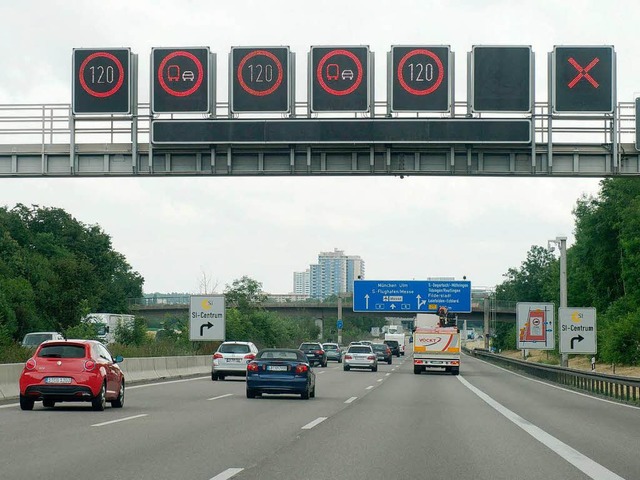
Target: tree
{"type": "Point", "coordinates": [529, 282]}
{"type": "Point", "coordinates": [245, 294]}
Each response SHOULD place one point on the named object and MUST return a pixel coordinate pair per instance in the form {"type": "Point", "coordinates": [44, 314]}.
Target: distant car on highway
{"type": "Point", "coordinates": [281, 370]}
{"type": "Point", "coordinates": [72, 371]}
{"type": "Point", "coordinates": [333, 351]}
{"type": "Point", "coordinates": [315, 353]}
{"type": "Point", "coordinates": [231, 359]}
{"type": "Point", "coordinates": [383, 352]}
{"type": "Point", "coordinates": [33, 339]}
{"type": "Point", "coordinates": [360, 356]}
{"type": "Point", "coordinates": [394, 346]}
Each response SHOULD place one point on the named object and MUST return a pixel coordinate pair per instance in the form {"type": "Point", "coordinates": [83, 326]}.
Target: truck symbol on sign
{"type": "Point", "coordinates": [333, 71]}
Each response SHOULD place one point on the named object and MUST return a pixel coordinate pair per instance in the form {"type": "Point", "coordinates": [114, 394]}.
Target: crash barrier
{"type": "Point", "coordinates": [626, 389]}
{"type": "Point", "coordinates": [135, 370]}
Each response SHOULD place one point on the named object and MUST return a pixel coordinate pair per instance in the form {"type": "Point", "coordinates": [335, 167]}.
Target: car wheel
{"type": "Point", "coordinates": [417, 370]}
{"type": "Point", "coordinates": [251, 393]}
{"type": "Point", "coordinates": [313, 392]}
{"type": "Point", "coordinates": [455, 370]}
{"type": "Point", "coordinates": [48, 403]}
{"type": "Point", "coordinates": [119, 402]}
{"type": "Point", "coordinates": [26, 403]}
{"type": "Point", "coordinates": [99, 402]}
{"type": "Point", "coordinates": [389, 361]}
{"type": "Point", "coordinates": [374, 369]}
{"type": "Point", "coordinates": [339, 360]}
{"type": "Point", "coordinates": [324, 365]}
{"type": "Point", "coordinates": [346, 368]}
{"type": "Point", "coordinates": [221, 376]}
{"type": "Point", "coordinates": [305, 395]}
{"type": "Point", "coordinates": [214, 377]}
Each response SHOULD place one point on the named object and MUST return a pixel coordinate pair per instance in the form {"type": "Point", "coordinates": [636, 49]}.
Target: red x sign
{"type": "Point", "coordinates": [583, 72]}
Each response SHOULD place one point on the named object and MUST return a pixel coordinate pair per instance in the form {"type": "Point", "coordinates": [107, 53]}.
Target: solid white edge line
{"type": "Point", "coordinates": [583, 463]}
{"type": "Point", "coordinates": [221, 396]}
{"type": "Point", "coordinates": [350, 400]}
{"type": "Point", "coordinates": [228, 473]}
{"type": "Point", "coordinates": [164, 383]}
{"type": "Point", "coordinates": [119, 420]}
{"type": "Point", "coordinates": [369, 387]}
{"type": "Point", "coordinates": [559, 387]}
{"type": "Point", "coordinates": [317, 421]}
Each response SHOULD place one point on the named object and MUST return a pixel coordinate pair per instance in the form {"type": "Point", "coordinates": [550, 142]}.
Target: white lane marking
{"type": "Point", "coordinates": [221, 396]}
{"type": "Point", "coordinates": [119, 420]}
{"type": "Point", "coordinates": [320, 373]}
{"type": "Point", "coordinates": [9, 405]}
{"type": "Point", "coordinates": [387, 374]}
{"type": "Point", "coordinates": [228, 473]}
{"type": "Point", "coordinates": [379, 380]}
{"type": "Point", "coordinates": [352, 399]}
{"type": "Point", "coordinates": [165, 383]}
{"type": "Point", "coordinates": [393, 369]}
{"type": "Point", "coordinates": [559, 387]}
{"type": "Point", "coordinates": [583, 463]}
{"type": "Point", "coordinates": [369, 387]}
{"type": "Point", "coordinates": [317, 421]}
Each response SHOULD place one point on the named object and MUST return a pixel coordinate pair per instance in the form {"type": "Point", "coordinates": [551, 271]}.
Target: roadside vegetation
{"type": "Point", "coordinates": [603, 271]}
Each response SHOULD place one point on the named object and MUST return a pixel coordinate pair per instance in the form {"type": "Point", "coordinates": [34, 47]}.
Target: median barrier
{"type": "Point", "coordinates": [9, 378]}
{"type": "Point", "coordinates": [135, 370]}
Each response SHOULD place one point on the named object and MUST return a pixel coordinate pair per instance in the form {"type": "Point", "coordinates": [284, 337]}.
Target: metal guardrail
{"type": "Point", "coordinates": [626, 389]}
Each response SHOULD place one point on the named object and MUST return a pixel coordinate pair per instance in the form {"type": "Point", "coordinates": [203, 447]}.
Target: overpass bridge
{"type": "Point", "coordinates": [327, 312]}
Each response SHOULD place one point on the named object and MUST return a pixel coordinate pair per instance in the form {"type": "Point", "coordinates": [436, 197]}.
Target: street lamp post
{"type": "Point", "coordinates": [562, 245]}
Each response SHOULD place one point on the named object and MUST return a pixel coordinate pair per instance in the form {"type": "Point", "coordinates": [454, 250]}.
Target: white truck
{"type": "Point", "coordinates": [107, 324]}
{"type": "Point", "coordinates": [435, 345]}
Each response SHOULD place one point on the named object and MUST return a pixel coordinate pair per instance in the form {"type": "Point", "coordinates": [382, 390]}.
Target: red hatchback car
{"type": "Point", "coordinates": [72, 371]}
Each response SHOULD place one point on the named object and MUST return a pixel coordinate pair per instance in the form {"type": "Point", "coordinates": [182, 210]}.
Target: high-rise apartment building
{"type": "Point", "coordinates": [333, 274]}
{"type": "Point", "coordinates": [301, 283]}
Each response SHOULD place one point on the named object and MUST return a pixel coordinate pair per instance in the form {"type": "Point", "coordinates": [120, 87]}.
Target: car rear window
{"type": "Point", "coordinates": [309, 345]}
{"type": "Point", "coordinates": [360, 349]}
{"type": "Point", "coordinates": [380, 346]}
{"type": "Point", "coordinates": [62, 351]}
{"type": "Point", "coordinates": [280, 355]}
{"type": "Point", "coordinates": [233, 348]}
{"type": "Point", "coordinates": [330, 347]}
{"type": "Point", "coordinates": [391, 343]}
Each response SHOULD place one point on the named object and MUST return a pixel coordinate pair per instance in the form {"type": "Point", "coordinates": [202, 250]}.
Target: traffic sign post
{"type": "Point", "coordinates": [535, 326]}
{"type": "Point", "coordinates": [577, 330]}
{"type": "Point", "coordinates": [420, 79]}
{"type": "Point", "coordinates": [102, 81]}
{"type": "Point", "coordinates": [207, 318]}
{"type": "Point", "coordinates": [409, 296]}
{"type": "Point", "coordinates": [339, 79]}
{"type": "Point", "coordinates": [501, 79]}
{"type": "Point", "coordinates": [259, 79]}
{"type": "Point", "coordinates": [180, 80]}
{"type": "Point", "coordinates": [583, 79]}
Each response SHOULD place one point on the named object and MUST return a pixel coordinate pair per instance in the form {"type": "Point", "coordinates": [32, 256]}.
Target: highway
{"type": "Point", "coordinates": [485, 424]}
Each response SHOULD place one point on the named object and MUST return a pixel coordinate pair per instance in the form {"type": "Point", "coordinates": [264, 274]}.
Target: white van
{"type": "Point", "coordinates": [33, 339]}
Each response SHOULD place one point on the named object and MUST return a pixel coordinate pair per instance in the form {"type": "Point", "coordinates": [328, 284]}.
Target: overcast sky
{"type": "Point", "coordinates": [172, 230]}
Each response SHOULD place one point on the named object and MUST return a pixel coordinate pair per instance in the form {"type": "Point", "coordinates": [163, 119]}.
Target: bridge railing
{"type": "Point", "coordinates": [626, 389]}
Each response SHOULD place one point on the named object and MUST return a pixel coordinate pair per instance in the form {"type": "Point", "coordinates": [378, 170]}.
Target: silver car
{"type": "Point", "coordinates": [333, 351]}
{"type": "Point", "coordinates": [360, 356]}
{"type": "Point", "coordinates": [232, 358]}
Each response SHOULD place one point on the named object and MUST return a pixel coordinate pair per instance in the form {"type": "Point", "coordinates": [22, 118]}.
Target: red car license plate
{"type": "Point", "coordinates": [57, 380]}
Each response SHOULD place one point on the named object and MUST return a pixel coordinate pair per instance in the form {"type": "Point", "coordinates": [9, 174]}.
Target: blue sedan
{"type": "Point", "coordinates": [281, 370]}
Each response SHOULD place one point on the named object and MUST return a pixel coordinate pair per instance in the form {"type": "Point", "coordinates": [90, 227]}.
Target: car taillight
{"type": "Point", "coordinates": [217, 355]}
{"type": "Point", "coordinates": [89, 365]}
{"type": "Point", "coordinates": [348, 357]}
{"type": "Point", "coordinates": [319, 352]}
{"type": "Point", "coordinates": [249, 356]}
{"type": "Point", "coordinates": [31, 364]}
{"type": "Point", "coordinates": [371, 357]}
{"type": "Point", "coordinates": [301, 368]}
{"type": "Point", "coordinates": [388, 352]}
{"type": "Point", "coordinates": [252, 367]}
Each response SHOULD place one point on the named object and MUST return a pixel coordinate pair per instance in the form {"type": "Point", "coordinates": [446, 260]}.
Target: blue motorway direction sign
{"type": "Point", "coordinates": [407, 296]}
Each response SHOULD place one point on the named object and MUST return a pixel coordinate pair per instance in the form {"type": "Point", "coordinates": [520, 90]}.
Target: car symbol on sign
{"type": "Point", "coordinates": [188, 75]}
{"type": "Point", "coordinates": [347, 75]}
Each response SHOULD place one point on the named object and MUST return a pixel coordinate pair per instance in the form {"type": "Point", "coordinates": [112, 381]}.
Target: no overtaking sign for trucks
{"type": "Point", "coordinates": [206, 318]}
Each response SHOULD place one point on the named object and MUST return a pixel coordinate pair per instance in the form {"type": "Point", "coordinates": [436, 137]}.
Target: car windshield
{"type": "Point", "coordinates": [279, 355]}
{"type": "Point", "coordinates": [233, 348]}
{"type": "Point", "coordinates": [308, 346]}
{"type": "Point", "coordinates": [360, 349]}
{"type": "Point", "coordinates": [35, 338]}
{"type": "Point", "coordinates": [62, 351]}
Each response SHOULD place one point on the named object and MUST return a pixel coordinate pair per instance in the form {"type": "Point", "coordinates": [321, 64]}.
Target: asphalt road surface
{"type": "Point", "coordinates": [485, 424]}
